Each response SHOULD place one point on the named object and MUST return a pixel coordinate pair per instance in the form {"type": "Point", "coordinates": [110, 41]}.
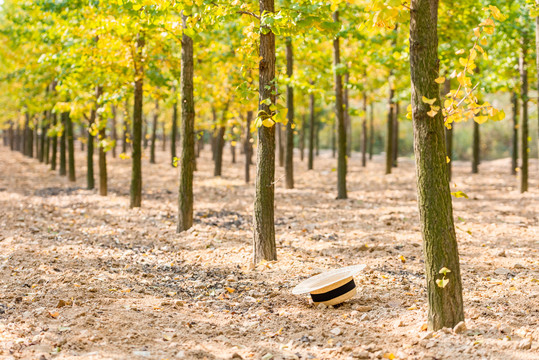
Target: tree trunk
{"type": "Point", "coordinates": [537, 71]}
{"type": "Point", "coordinates": [247, 147]}
{"type": "Point", "coordinates": [289, 161]}
{"type": "Point", "coordinates": [11, 136]}
{"type": "Point", "coordinates": [114, 130]}
{"type": "Point", "coordinates": [136, 157]}
{"type": "Point", "coordinates": [364, 132]}
{"type": "Point", "coordinates": [396, 135]}
{"type": "Point", "coordinates": [476, 148]}
{"type": "Point", "coordinates": [42, 137]}
{"type": "Point", "coordinates": [389, 134]}
{"type": "Point", "coordinates": [347, 120]}
{"type": "Point", "coordinates": [154, 132]}
{"type": "Point", "coordinates": [29, 138]}
{"type": "Point", "coordinates": [68, 123]}
{"type": "Point", "coordinates": [371, 131]}
{"type": "Point", "coordinates": [524, 124]}
{"type": "Point", "coordinates": [187, 159]}
{"type": "Point", "coordinates": [63, 164]}
{"type": "Point", "coordinates": [144, 131]}
{"type": "Point", "coordinates": [102, 161]}
{"type": "Point", "coordinates": [163, 135]}
{"type": "Point", "coordinates": [302, 138]}
{"type": "Point", "coordinates": [280, 144]}
{"type": "Point", "coordinates": [514, 148]}
{"type": "Point", "coordinates": [90, 179]}
{"type": "Point", "coordinates": [311, 134]}
{"type": "Point", "coordinates": [334, 130]}
{"type": "Point", "coordinates": [341, 129]}
{"type": "Point", "coordinates": [54, 144]}
{"type": "Point", "coordinates": [219, 145]}
{"type": "Point", "coordinates": [264, 247]}
{"type": "Point", "coordinates": [317, 137]}
{"type": "Point", "coordinates": [174, 131]}
{"type": "Point", "coordinates": [82, 131]}
{"type": "Point", "coordinates": [233, 150]}
{"type": "Point", "coordinates": [125, 126]}
{"type": "Point", "coordinates": [448, 133]}
{"type": "Point", "coordinates": [434, 198]}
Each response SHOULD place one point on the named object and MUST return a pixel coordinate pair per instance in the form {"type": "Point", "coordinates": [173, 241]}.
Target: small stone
{"type": "Point", "coordinates": [501, 253]}
{"type": "Point", "coordinates": [518, 266]}
{"type": "Point", "coordinates": [428, 335]}
{"type": "Point", "coordinates": [61, 304]}
{"type": "Point", "coordinates": [361, 308]}
{"type": "Point", "coordinates": [460, 328]}
{"type": "Point", "coordinates": [180, 355]}
{"type": "Point", "coordinates": [268, 356]}
{"type": "Point", "coordinates": [179, 303]}
{"type": "Point", "coordinates": [336, 331]}
{"type": "Point", "coordinates": [363, 354]}
{"type": "Point", "coordinates": [142, 353]}
{"type": "Point", "coordinates": [525, 344]}
{"type": "Point", "coordinates": [322, 306]}
{"type": "Point", "coordinates": [236, 356]}
{"type": "Point", "coordinates": [354, 313]}
{"type": "Point", "coordinates": [501, 271]}
{"type": "Point", "coordinates": [398, 324]}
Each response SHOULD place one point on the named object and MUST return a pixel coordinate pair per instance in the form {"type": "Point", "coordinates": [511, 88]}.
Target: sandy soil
{"type": "Point", "coordinates": [83, 276]}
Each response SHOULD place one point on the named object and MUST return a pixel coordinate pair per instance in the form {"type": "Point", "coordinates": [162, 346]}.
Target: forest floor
{"type": "Point", "coordinates": [85, 277]}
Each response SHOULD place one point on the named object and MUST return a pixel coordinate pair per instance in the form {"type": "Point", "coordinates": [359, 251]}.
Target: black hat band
{"type": "Point", "coordinates": [335, 293]}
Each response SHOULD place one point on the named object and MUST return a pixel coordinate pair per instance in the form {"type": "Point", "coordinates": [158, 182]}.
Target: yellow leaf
{"type": "Point", "coordinates": [389, 356]}
{"type": "Point", "coordinates": [484, 41]}
{"type": "Point", "coordinates": [440, 80]}
{"type": "Point", "coordinates": [432, 113]}
{"type": "Point", "coordinates": [463, 61]}
{"type": "Point", "coordinates": [481, 119]}
{"type": "Point", "coordinates": [230, 290]}
{"type": "Point", "coordinates": [268, 123]}
{"type": "Point", "coordinates": [402, 258]}
{"type": "Point", "coordinates": [460, 52]}
{"type": "Point", "coordinates": [489, 29]}
{"type": "Point", "coordinates": [428, 101]}
{"type": "Point", "coordinates": [447, 159]}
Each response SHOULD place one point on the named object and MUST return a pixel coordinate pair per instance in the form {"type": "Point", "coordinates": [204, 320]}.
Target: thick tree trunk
{"type": "Point", "coordinates": [136, 157]}
{"type": "Point", "coordinates": [476, 148]}
{"type": "Point", "coordinates": [29, 137]}
{"type": "Point", "coordinates": [524, 123]}
{"type": "Point", "coordinates": [364, 132]}
{"type": "Point", "coordinates": [247, 147]}
{"type": "Point", "coordinates": [125, 126]}
{"type": "Point", "coordinates": [289, 158]}
{"type": "Point", "coordinates": [448, 133]}
{"type": "Point", "coordinates": [187, 159]}
{"type": "Point", "coordinates": [233, 148]}
{"type": "Point", "coordinates": [347, 119]}
{"type": "Point", "coordinates": [264, 247]}
{"type": "Point", "coordinates": [537, 71]}
{"type": "Point", "coordinates": [103, 189]}
{"type": "Point", "coordinates": [114, 130]}
{"type": "Point", "coordinates": [68, 123]}
{"type": "Point", "coordinates": [310, 163]}
{"type": "Point", "coordinates": [390, 130]}
{"type": "Point", "coordinates": [42, 136]}
{"type": "Point", "coordinates": [154, 132]}
{"type": "Point", "coordinates": [434, 198]}
{"type": "Point", "coordinates": [514, 147]}
{"type": "Point", "coordinates": [371, 131]}
{"type": "Point", "coordinates": [54, 144]}
{"type": "Point", "coordinates": [334, 139]}
{"type": "Point", "coordinates": [174, 131]}
{"type": "Point", "coordinates": [341, 129]}
{"type": "Point", "coordinates": [396, 135]}
{"type": "Point", "coordinates": [11, 136]}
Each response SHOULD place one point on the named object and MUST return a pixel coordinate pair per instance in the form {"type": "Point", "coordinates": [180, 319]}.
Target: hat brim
{"type": "Point", "coordinates": [327, 278]}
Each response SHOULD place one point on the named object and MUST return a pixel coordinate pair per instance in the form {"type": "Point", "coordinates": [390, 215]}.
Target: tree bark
{"type": "Point", "coordinates": [389, 134]}
{"type": "Point", "coordinates": [114, 130]}
{"type": "Point", "coordinates": [29, 137]}
{"type": "Point", "coordinates": [280, 144]}
{"type": "Point", "coordinates": [448, 133]}
{"type": "Point", "coordinates": [63, 163]}
{"type": "Point", "coordinates": [289, 158]}
{"type": "Point", "coordinates": [434, 198]}
{"type": "Point", "coordinates": [302, 138]}
{"type": "Point", "coordinates": [70, 145]}
{"type": "Point", "coordinates": [339, 110]}
{"type": "Point", "coordinates": [187, 159]}
{"type": "Point", "coordinates": [54, 144]}
{"type": "Point", "coordinates": [154, 132]}
{"type": "Point", "coordinates": [371, 131]}
{"type": "Point", "coordinates": [219, 145]}
{"type": "Point", "coordinates": [524, 123]}
{"type": "Point", "coordinates": [364, 132]}
{"type": "Point", "coordinates": [264, 247]}
{"type": "Point", "coordinates": [514, 147]}
{"type": "Point", "coordinates": [90, 179]}
{"type": "Point", "coordinates": [174, 131]}
{"type": "Point", "coordinates": [125, 126]}
{"type": "Point", "coordinates": [42, 136]}
{"type": "Point", "coordinates": [396, 135]}
{"type": "Point", "coordinates": [347, 120]}
{"type": "Point", "coordinates": [537, 71]}
{"type": "Point", "coordinates": [247, 147]}
{"type": "Point", "coordinates": [136, 169]}
{"type": "Point", "coordinates": [476, 148]}
{"type": "Point", "coordinates": [310, 163]}
{"type": "Point", "coordinates": [103, 188]}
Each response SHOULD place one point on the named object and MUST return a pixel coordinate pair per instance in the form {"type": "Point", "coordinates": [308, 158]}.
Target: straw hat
{"type": "Point", "coordinates": [331, 287]}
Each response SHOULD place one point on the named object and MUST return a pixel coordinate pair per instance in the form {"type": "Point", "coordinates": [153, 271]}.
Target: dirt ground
{"type": "Point", "coordinates": [85, 277]}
